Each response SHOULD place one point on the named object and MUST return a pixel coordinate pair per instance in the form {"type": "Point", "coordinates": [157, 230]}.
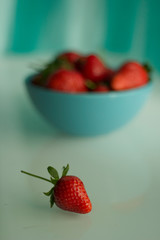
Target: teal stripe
{"type": "Point", "coordinates": [53, 25]}
{"type": "Point", "coordinates": [30, 18]}
{"type": "Point", "coordinates": [121, 17]}
{"type": "Point", "coordinates": [153, 33]}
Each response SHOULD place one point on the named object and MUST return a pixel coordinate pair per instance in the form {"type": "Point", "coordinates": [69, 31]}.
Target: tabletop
{"type": "Point", "coordinates": [120, 169]}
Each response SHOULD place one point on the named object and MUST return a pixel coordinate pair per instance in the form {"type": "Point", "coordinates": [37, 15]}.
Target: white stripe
{"type": "Point", "coordinates": [86, 24]}
{"type": "Point", "coordinates": [139, 35]}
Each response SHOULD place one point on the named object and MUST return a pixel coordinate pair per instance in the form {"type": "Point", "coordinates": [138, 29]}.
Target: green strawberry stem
{"type": "Point", "coordinates": [33, 175]}
{"type": "Point", "coordinates": [53, 172]}
{"type": "Point", "coordinates": [52, 67]}
{"type": "Point", "coordinates": [53, 179]}
{"type": "Point", "coordinates": [147, 67]}
{"type": "Point", "coordinates": [90, 84]}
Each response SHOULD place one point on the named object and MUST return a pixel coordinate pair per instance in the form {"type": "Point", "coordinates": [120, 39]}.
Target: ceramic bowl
{"type": "Point", "coordinates": [88, 114]}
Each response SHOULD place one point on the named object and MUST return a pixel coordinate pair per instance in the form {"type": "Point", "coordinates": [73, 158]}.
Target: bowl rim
{"type": "Point", "coordinates": [28, 82]}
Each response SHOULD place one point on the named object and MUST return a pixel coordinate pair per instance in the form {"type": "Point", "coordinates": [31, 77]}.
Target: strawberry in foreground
{"type": "Point", "coordinates": [67, 81]}
{"type": "Point", "coordinates": [130, 75]}
{"type": "Point", "coordinates": [68, 192]}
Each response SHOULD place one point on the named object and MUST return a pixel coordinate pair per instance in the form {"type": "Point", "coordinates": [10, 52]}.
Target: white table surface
{"type": "Point", "coordinates": [121, 170]}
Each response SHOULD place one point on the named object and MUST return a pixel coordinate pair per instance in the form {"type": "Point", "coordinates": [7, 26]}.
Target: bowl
{"type": "Point", "coordinates": [87, 114]}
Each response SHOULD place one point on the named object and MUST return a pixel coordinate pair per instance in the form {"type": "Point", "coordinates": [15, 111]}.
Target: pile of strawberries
{"type": "Point", "coordinates": [75, 73]}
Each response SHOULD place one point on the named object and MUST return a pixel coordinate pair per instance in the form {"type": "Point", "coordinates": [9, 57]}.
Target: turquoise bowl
{"type": "Point", "coordinates": [88, 114]}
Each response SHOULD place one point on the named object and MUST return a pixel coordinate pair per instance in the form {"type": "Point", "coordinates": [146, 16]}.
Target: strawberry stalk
{"type": "Point", "coordinates": [36, 176]}
{"type": "Point", "coordinates": [53, 179]}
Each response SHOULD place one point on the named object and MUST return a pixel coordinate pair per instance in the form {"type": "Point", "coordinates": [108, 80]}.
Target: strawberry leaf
{"type": "Point", "coordinates": [90, 85]}
{"type": "Point", "coordinates": [51, 200]}
{"type": "Point", "coordinates": [52, 67]}
{"type": "Point", "coordinates": [54, 181]}
{"type": "Point", "coordinates": [65, 170]}
{"type": "Point", "coordinates": [147, 67]}
{"type": "Point", "coordinates": [62, 62]}
{"type": "Point", "coordinates": [49, 192]}
{"type": "Point", "coordinates": [53, 172]}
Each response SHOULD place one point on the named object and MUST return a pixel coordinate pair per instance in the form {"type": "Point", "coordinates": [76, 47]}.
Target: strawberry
{"type": "Point", "coordinates": [96, 87]}
{"type": "Point", "coordinates": [68, 192]}
{"type": "Point", "coordinates": [110, 73]}
{"type": "Point", "coordinates": [49, 69]}
{"type": "Point", "coordinates": [71, 57]}
{"type": "Point", "coordinates": [101, 88]}
{"type": "Point", "coordinates": [67, 81]}
{"type": "Point", "coordinates": [93, 68]}
{"type": "Point", "coordinates": [130, 75]}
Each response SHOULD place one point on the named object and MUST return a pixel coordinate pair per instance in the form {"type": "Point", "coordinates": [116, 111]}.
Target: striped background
{"type": "Point", "coordinates": [124, 26]}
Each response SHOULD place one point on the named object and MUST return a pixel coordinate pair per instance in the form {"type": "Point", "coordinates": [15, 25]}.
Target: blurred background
{"type": "Point", "coordinates": [33, 26]}
{"type": "Point", "coordinates": [128, 159]}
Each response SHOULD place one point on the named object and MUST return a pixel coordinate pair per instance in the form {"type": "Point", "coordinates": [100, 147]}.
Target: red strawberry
{"type": "Point", "coordinates": [72, 57]}
{"type": "Point", "coordinates": [50, 68]}
{"type": "Point", "coordinates": [68, 192]}
{"type": "Point", "coordinates": [67, 81]}
{"type": "Point", "coordinates": [93, 68]}
{"type": "Point", "coordinates": [101, 88]}
{"type": "Point", "coordinates": [130, 75]}
{"type": "Point", "coordinates": [110, 73]}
